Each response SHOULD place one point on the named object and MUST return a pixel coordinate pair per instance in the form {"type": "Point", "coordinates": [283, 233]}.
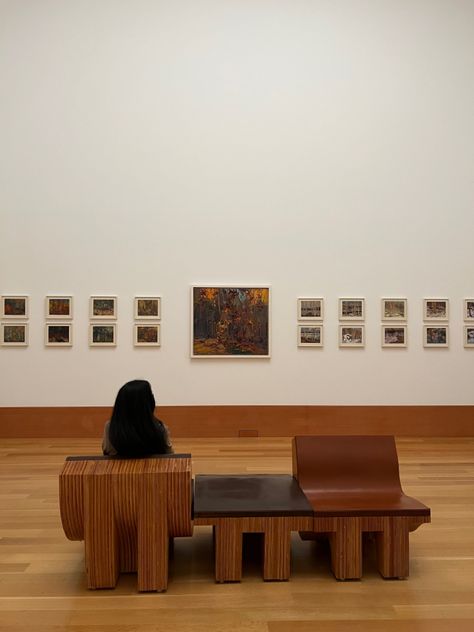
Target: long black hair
{"type": "Point", "coordinates": [134, 431]}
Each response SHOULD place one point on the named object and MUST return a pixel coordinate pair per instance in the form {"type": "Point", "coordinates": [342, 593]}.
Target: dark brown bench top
{"type": "Point", "coordinates": [238, 496]}
{"type": "Point", "coordinates": [352, 476]}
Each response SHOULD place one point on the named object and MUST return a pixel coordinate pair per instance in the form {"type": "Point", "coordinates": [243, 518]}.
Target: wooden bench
{"type": "Point", "coordinates": [234, 505]}
{"type": "Point", "coordinates": [353, 485]}
{"type": "Point", "coordinates": [126, 510]}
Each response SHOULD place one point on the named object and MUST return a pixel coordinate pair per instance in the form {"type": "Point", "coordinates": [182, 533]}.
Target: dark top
{"type": "Point", "coordinates": [109, 450]}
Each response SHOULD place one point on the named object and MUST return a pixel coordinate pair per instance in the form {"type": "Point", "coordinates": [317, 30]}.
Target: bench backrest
{"type": "Point", "coordinates": [128, 481]}
{"type": "Point", "coordinates": [328, 464]}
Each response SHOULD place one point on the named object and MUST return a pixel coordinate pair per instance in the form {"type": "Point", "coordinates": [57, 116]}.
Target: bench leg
{"type": "Point", "coordinates": [277, 550]}
{"type": "Point", "coordinates": [228, 550]}
{"type": "Point", "coordinates": [393, 547]}
{"type": "Point", "coordinates": [346, 548]}
{"type": "Point", "coordinates": [152, 535]}
{"type": "Point", "coordinates": [100, 535]}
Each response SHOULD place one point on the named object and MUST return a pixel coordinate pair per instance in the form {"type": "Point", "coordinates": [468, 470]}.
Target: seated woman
{"type": "Point", "coordinates": [133, 429]}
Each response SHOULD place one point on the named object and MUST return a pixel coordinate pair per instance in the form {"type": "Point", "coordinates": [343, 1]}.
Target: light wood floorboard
{"type": "Point", "coordinates": [42, 581]}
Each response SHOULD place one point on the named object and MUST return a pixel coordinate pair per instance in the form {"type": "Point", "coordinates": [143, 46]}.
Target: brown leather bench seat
{"type": "Point", "coordinates": [270, 504]}
{"type": "Point", "coordinates": [353, 485]}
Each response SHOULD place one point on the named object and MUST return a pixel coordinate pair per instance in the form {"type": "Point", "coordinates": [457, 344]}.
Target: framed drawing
{"type": "Point", "coordinates": [103, 307]}
{"type": "Point", "coordinates": [147, 307]}
{"type": "Point", "coordinates": [351, 336]}
{"type": "Point", "coordinates": [394, 336]}
{"type": "Point", "coordinates": [14, 307]}
{"type": "Point", "coordinates": [147, 335]}
{"type": "Point", "coordinates": [351, 308]}
{"type": "Point", "coordinates": [394, 309]}
{"type": "Point", "coordinates": [469, 309]}
{"type": "Point", "coordinates": [58, 335]}
{"type": "Point", "coordinates": [435, 309]}
{"type": "Point", "coordinates": [230, 321]}
{"type": "Point", "coordinates": [435, 336]}
{"type": "Point", "coordinates": [14, 334]}
{"type": "Point", "coordinates": [102, 335]}
{"type": "Point", "coordinates": [310, 309]}
{"type": "Point", "coordinates": [469, 337]}
{"type": "Point", "coordinates": [59, 307]}
{"type": "Point", "coordinates": [310, 335]}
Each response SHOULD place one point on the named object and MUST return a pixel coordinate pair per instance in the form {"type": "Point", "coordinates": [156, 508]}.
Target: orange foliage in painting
{"type": "Point", "coordinates": [209, 293]}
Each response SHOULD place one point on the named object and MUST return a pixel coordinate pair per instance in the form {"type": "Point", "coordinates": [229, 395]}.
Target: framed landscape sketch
{"type": "Point", "coordinates": [394, 309]}
{"type": "Point", "coordinates": [351, 309]}
{"type": "Point", "coordinates": [469, 337]}
{"type": "Point", "coordinates": [59, 307]}
{"type": "Point", "coordinates": [230, 321]}
{"type": "Point", "coordinates": [58, 335]}
{"type": "Point", "coordinates": [351, 336]}
{"type": "Point", "coordinates": [14, 334]}
{"type": "Point", "coordinates": [102, 335]}
{"type": "Point", "coordinates": [435, 309]}
{"type": "Point", "coordinates": [14, 307]}
{"type": "Point", "coordinates": [103, 307]}
{"type": "Point", "coordinates": [469, 309]}
{"type": "Point", "coordinates": [147, 307]}
{"type": "Point", "coordinates": [310, 335]}
{"type": "Point", "coordinates": [147, 335]}
{"type": "Point", "coordinates": [310, 309]}
{"type": "Point", "coordinates": [394, 336]}
{"type": "Point", "coordinates": [435, 336]}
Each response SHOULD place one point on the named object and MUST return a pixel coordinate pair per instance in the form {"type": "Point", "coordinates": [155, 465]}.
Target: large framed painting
{"type": "Point", "coordinates": [230, 321]}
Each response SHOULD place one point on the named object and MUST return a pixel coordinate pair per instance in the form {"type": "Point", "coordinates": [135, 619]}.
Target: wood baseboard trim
{"type": "Point", "coordinates": [245, 421]}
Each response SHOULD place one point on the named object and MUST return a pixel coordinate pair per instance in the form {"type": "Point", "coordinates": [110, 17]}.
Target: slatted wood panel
{"type": "Point", "coordinates": [43, 585]}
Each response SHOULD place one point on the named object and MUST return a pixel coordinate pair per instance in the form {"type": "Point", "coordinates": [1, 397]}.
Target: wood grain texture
{"type": "Point", "coordinates": [234, 421]}
{"type": "Point", "coordinates": [43, 584]}
{"type": "Point", "coordinates": [125, 511]}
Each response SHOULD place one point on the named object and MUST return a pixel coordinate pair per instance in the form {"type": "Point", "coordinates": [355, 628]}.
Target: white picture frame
{"type": "Point", "coordinates": [469, 336]}
{"type": "Point", "coordinates": [15, 306]}
{"type": "Point", "coordinates": [147, 334]}
{"type": "Point", "coordinates": [147, 308]}
{"type": "Point", "coordinates": [58, 334]}
{"type": "Point", "coordinates": [103, 307]}
{"type": "Point", "coordinates": [310, 335]}
{"type": "Point", "coordinates": [58, 307]}
{"type": "Point", "coordinates": [14, 334]}
{"type": "Point", "coordinates": [102, 334]}
{"type": "Point", "coordinates": [436, 336]}
{"type": "Point", "coordinates": [351, 309]}
{"type": "Point", "coordinates": [436, 309]}
{"type": "Point", "coordinates": [309, 309]}
{"type": "Point", "coordinates": [468, 309]}
{"type": "Point", "coordinates": [394, 336]}
{"type": "Point", "coordinates": [352, 336]}
{"type": "Point", "coordinates": [394, 309]}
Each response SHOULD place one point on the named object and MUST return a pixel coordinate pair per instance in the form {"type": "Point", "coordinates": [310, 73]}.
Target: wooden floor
{"type": "Point", "coordinates": [42, 582]}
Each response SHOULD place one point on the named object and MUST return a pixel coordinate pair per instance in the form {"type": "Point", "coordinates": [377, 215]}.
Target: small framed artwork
{"type": "Point", "coordinates": [103, 307]}
{"type": "Point", "coordinates": [310, 309]}
{"type": "Point", "coordinates": [59, 307]}
{"type": "Point", "coordinates": [58, 335]}
{"type": "Point", "coordinates": [435, 309]}
{"type": "Point", "coordinates": [14, 307]}
{"type": "Point", "coordinates": [351, 309]}
{"type": "Point", "coordinates": [147, 335]}
{"type": "Point", "coordinates": [14, 334]}
{"type": "Point", "coordinates": [469, 337]}
{"type": "Point", "coordinates": [102, 335]}
{"type": "Point", "coordinates": [147, 307]}
{"type": "Point", "coordinates": [394, 309]}
{"type": "Point", "coordinates": [435, 336]}
{"type": "Point", "coordinates": [351, 336]}
{"type": "Point", "coordinates": [310, 335]}
{"type": "Point", "coordinates": [469, 309]}
{"type": "Point", "coordinates": [394, 336]}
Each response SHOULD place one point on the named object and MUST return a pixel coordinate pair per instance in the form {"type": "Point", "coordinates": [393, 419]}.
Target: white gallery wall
{"type": "Point", "coordinates": [323, 147]}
